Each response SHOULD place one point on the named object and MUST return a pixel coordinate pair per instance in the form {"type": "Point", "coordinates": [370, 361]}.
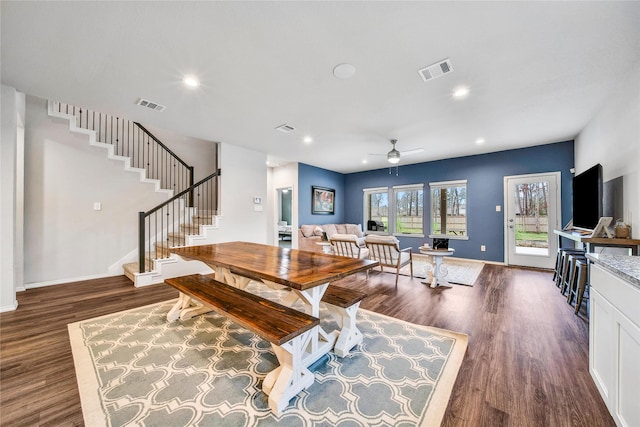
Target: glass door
{"type": "Point", "coordinates": [532, 213]}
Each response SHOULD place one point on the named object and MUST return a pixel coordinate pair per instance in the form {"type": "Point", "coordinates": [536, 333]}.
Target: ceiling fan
{"type": "Point", "coordinates": [394, 155]}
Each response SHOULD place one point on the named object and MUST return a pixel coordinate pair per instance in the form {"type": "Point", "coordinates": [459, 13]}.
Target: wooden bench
{"type": "Point", "coordinates": [343, 303]}
{"type": "Point", "coordinates": [289, 331]}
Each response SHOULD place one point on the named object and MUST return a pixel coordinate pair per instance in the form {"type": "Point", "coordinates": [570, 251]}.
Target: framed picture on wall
{"type": "Point", "coordinates": [322, 200]}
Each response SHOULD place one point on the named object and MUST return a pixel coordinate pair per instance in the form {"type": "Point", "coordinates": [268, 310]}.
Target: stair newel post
{"type": "Point", "coordinates": [141, 234]}
{"type": "Point", "coordinates": [190, 185]}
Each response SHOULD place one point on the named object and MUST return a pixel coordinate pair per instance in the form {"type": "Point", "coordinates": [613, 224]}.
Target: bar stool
{"type": "Point", "coordinates": [580, 283]}
{"type": "Point", "coordinates": [561, 264]}
{"type": "Point", "coordinates": [569, 272]}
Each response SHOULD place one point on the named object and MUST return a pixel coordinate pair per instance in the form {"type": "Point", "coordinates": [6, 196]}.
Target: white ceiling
{"type": "Point", "coordinates": [537, 71]}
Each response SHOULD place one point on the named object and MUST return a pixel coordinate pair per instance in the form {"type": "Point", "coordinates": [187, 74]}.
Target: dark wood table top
{"type": "Point", "coordinates": [289, 267]}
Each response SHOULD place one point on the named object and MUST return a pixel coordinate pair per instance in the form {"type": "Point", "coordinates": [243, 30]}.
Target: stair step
{"type": "Point", "coordinates": [205, 213]}
{"type": "Point", "coordinates": [191, 228]}
{"type": "Point", "coordinates": [131, 268]}
{"type": "Point", "coordinates": [200, 219]}
{"type": "Point", "coordinates": [178, 239]}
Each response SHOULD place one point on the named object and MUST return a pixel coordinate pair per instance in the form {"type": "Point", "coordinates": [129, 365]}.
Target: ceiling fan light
{"type": "Point", "coordinates": [393, 156]}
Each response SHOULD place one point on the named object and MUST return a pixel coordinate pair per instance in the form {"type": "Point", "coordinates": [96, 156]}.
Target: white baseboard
{"type": "Point", "coordinates": [67, 280]}
{"type": "Point", "coordinates": [12, 307]}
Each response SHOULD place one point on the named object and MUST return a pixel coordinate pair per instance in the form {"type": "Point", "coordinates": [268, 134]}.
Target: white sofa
{"type": "Point", "coordinates": [309, 235]}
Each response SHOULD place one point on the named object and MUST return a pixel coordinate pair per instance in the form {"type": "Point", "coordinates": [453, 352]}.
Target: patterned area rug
{"type": "Point", "coordinates": [135, 368]}
{"type": "Point", "coordinates": [459, 272]}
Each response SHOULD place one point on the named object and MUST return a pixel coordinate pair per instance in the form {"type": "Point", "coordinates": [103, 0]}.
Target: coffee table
{"type": "Point", "coordinates": [437, 269]}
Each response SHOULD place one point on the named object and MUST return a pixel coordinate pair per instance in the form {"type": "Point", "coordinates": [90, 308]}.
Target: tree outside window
{"type": "Point", "coordinates": [409, 210]}
{"type": "Point", "coordinates": [377, 206]}
{"type": "Point", "coordinates": [449, 209]}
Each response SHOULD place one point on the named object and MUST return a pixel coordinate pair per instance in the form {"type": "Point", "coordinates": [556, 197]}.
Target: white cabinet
{"type": "Point", "coordinates": [614, 349]}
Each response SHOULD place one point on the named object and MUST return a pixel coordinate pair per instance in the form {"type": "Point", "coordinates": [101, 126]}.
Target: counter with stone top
{"type": "Point", "coordinates": [614, 333]}
{"type": "Point", "coordinates": [623, 266]}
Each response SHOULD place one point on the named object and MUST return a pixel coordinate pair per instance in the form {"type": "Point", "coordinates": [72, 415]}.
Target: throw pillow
{"type": "Point", "coordinates": [330, 229]}
{"type": "Point", "coordinates": [354, 229]}
{"type": "Point", "coordinates": [307, 230]}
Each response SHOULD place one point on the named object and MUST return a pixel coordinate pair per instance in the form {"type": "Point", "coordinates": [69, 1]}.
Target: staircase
{"type": "Point", "coordinates": [187, 218]}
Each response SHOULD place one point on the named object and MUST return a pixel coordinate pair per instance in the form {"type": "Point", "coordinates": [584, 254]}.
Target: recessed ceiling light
{"type": "Point", "coordinates": [364, 162]}
{"type": "Point", "coordinates": [344, 71]}
{"type": "Point", "coordinates": [480, 141]}
{"type": "Point", "coordinates": [461, 92]}
{"type": "Point", "coordinates": [307, 140]}
{"type": "Point", "coordinates": [191, 81]}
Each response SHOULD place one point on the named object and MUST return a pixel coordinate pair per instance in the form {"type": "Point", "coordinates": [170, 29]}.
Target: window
{"type": "Point", "coordinates": [376, 207]}
{"type": "Point", "coordinates": [397, 210]}
{"type": "Point", "coordinates": [449, 209]}
{"type": "Point", "coordinates": [409, 205]}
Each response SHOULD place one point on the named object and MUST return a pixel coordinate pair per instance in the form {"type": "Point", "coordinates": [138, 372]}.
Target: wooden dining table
{"type": "Point", "coordinates": [306, 273]}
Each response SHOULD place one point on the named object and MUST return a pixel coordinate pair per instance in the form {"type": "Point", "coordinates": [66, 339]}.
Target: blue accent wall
{"type": "Point", "coordinates": [485, 181]}
{"type": "Point", "coordinates": [309, 176]}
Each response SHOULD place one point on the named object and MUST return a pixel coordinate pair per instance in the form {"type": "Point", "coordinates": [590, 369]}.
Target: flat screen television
{"type": "Point", "coordinates": [587, 198]}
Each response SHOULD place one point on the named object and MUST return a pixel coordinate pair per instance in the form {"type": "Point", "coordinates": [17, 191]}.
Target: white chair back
{"type": "Point", "coordinates": [386, 250]}
{"type": "Point", "coordinates": [347, 245]}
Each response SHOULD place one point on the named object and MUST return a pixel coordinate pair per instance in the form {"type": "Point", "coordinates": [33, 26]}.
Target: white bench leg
{"type": "Point", "coordinates": [292, 376]}
{"type": "Point", "coordinates": [350, 335]}
{"type": "Point", "coordinates": [186, 307]}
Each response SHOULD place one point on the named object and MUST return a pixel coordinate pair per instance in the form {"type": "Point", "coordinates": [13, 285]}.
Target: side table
{"type": "Point", "coordinates": [326, 247]}
{"type": "Point", "coordinates": [439, 271]}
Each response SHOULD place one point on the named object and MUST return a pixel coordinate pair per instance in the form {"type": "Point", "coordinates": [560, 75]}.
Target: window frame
{"type": "Point", "coordinates": [365, 193]}
{"type": "Point", "coordinates": [393, 193]}
{"type": "Point", "coordinates": [445, 185]}
{"type": "Point", "coordinates": [392, 209]}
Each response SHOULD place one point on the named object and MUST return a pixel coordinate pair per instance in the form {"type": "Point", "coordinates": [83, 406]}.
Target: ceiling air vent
{"type": "Point", "coordinates": [150, 104]}
{"type": "Point", "coordinates": [286, 128]}
{"type": "Point", "coordinates": [438, 69]}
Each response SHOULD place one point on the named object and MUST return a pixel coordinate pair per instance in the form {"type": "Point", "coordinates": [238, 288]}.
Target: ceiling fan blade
{"type": "Point", "coordinates": [377, 154]}
{"type": "Point", "coordinates": [411, 152]}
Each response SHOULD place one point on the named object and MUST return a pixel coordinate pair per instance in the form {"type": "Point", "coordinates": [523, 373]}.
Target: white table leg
{"type": "Point", "coordinates": [292, 376]}
{"type": "Point", "coordinates": [187, 307]}
{"type": "Point", "coordinates": [439, 273]}
{"type": "Point", "coordinates": [350, 335]}
{"type": "Point", "coordinates": [226, 276]}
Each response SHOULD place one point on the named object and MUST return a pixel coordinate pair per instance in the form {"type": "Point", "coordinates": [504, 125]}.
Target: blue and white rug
{"type": "Point", "coordinates": [134, 368]}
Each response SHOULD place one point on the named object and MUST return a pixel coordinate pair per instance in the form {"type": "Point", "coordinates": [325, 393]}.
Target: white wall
{"type": "Point", "coordinates": [65, 238]}
{"type": "Point", "coordinates": [11, 194]}
{"type": "Point", "coordinates": [244, 177]}
{"type": "Point", "coordinates": [612, 138]}
{"type": "Point", "coordinates": [282, 177]}
{"type": "Point", "coordinates": [195, 152]}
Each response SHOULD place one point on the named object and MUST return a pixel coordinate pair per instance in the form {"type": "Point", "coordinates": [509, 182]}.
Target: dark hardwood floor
{"type": "Point", "coordinates": [526, 363]}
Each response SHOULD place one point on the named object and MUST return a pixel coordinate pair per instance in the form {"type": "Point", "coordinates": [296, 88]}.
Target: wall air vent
{"type": "Point", "coordinates": [438, 69]}
{"type": "Point", "coordinates": [286, 128]}
{"type": "Point", "coordinates": [150, 104]}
